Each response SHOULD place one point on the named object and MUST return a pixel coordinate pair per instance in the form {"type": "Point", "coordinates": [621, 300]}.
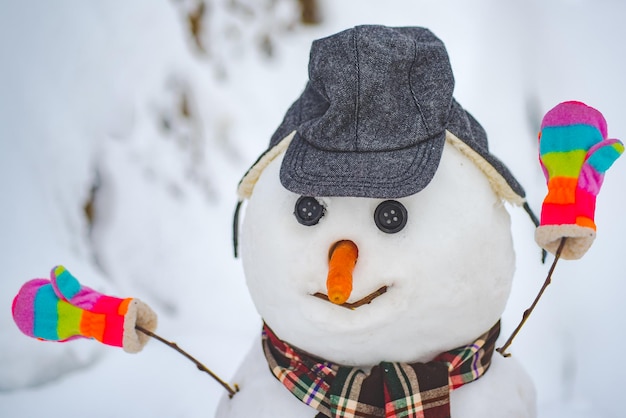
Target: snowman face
{"type": "Point", "coordinates": [447, 271]}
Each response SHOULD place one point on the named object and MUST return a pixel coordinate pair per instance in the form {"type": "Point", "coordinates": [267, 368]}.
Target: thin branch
{"type": "Point", "coordinates": [200, 366]}
{"type": "Point", "coordinates": [367, 299]}
{"type": "Point", "coordinates": [527, 312]}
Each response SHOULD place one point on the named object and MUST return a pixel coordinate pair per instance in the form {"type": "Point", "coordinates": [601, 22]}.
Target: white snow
{"type": "Point", "coordinates": [85, 88]}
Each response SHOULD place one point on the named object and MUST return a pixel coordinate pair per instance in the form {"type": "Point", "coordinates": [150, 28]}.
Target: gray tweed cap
{"type": "Point", "coordinates": [372, 119]}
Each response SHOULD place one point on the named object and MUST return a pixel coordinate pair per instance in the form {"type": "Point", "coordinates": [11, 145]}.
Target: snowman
{"type": "Point", "coordinates": [376, 245]}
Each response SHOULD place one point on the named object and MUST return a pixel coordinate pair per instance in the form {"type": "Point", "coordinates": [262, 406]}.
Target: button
{"type": "Point", "coordinates": [308, 210]}
{"type": "Point", "coordinates": [390, 216]}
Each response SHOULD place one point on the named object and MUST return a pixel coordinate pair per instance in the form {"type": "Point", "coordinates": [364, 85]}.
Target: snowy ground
{"type": "Point", "coordinates": [90, 93]}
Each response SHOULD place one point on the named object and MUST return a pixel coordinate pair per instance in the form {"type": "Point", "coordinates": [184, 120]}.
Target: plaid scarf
{"type": "Point", "coordinates": [411, 390]}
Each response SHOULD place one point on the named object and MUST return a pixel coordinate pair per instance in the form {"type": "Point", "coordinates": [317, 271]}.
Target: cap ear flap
{"type": "Point", "coordinates": [496, 180]}
{"type": "Point", "coordinates": [247, 183]}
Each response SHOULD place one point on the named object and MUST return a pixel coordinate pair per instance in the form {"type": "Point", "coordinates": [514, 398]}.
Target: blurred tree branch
{"type": "Point", "coordinates": [309, 12]}
{"type": "Point", "coordinates": [219, 27]}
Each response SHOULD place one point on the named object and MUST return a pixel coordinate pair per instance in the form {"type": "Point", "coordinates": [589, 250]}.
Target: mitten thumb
{"type": "Point", "coordinates": [65, 285]}
{"type": "Point", "coordinates": [598, 160]}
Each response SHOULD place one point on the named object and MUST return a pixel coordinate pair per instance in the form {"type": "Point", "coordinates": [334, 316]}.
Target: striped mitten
{"type": "Point", "coordinates": [61, 309]}
{"type": "Point", "coordinates": [574, 153]}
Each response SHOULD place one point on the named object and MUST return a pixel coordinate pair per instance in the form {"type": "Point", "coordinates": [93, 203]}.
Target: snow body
{"type": "Point", "coordinates": [448, 272]}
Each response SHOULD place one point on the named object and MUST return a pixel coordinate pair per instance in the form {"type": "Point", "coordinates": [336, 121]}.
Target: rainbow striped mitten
{"type": "Point", "coordinates": [574, 153]}
{"type": "Point", "coordinates": [61, 309]}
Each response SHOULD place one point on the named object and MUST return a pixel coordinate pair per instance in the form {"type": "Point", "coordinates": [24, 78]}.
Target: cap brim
{"type": "Point", "coordinates": [308, 170]}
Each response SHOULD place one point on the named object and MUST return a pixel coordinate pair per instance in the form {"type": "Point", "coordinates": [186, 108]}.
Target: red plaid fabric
{"type": "Point", "coordinates": [390, 390]}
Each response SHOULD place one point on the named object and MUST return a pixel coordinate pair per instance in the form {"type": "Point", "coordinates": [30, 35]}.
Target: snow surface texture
{"type": "Point", "coordinates": [86, 98]}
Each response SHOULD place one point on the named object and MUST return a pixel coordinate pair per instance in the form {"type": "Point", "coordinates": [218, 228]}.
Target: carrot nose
{"type": "Point", "coordinates": [343, 256]}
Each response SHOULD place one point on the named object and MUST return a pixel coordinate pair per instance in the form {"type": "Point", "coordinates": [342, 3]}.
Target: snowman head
{"type": "Point", "coordinates": [377, 154]}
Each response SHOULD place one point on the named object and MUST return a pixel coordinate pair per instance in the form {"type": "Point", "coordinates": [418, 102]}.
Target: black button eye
{"type": "Point", "coordinates": [390, 216]}
{"type": "Point", "coordinates": [308, 210]}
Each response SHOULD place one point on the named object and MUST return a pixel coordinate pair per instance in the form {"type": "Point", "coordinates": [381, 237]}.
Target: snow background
{"type": "Point", "coordinates": [91, 93]}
